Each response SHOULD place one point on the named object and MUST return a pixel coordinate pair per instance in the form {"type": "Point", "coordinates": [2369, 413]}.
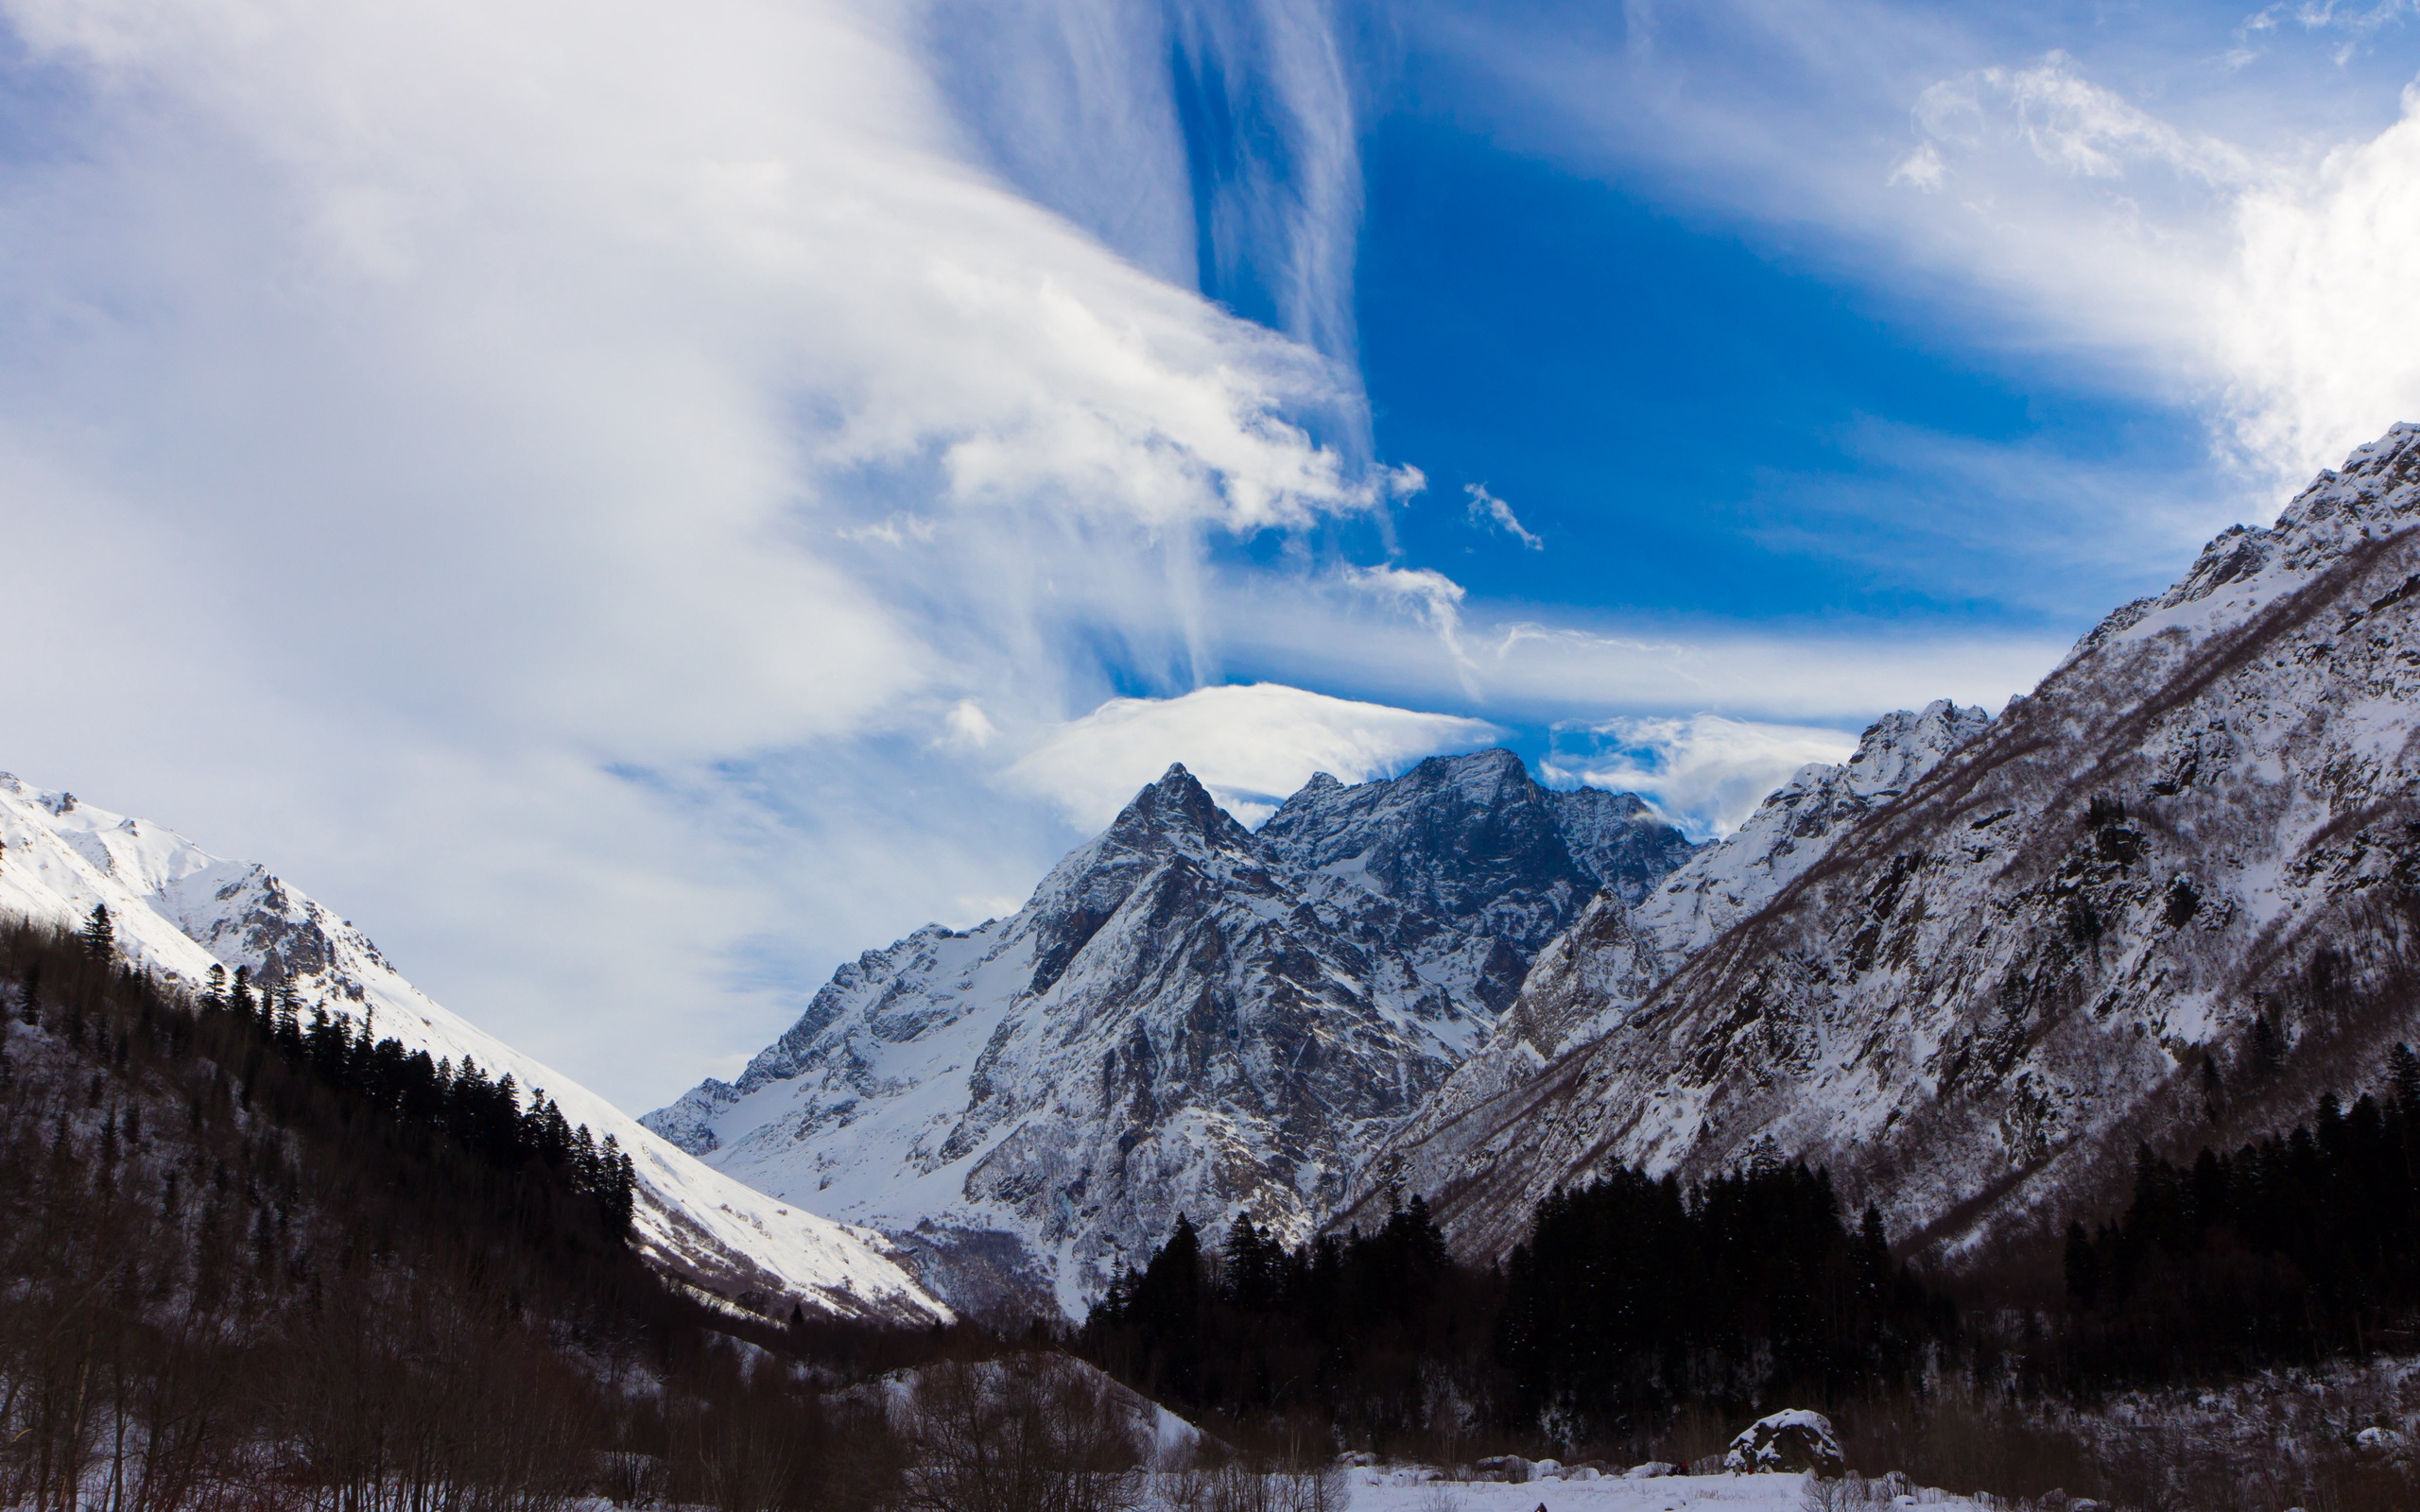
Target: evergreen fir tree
{"type": "Point", "coordinates": [2083, 1267]}
{"type": "Point", "coordinates": [1250, 1275]}
{"type": "Point", "coordinates": [2403, 1074]}
{"type": "Point", "coordinates": [2266, 1051]}
{"type": "Point", "coordinates": [99, 933]}
{"type": "Point", "coordinates": [619, 1196]}
{"type": "Point", "coordinates": [583, 1161]}
{"type": "Point", "coordinates": [289, 1015]}
{"type": "Point", "coordinates": [1874, 1254]}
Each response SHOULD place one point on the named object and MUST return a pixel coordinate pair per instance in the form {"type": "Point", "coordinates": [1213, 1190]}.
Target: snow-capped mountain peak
{"type": "Point", "coordinates": [1185, 1016]}
{"type": "Point", "coordinates": [178, 911]}
{"type": "Point", "coordinates": [1618, 951]}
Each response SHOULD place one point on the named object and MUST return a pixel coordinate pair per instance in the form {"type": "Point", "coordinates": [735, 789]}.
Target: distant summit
{"type": "Point", "coordinates": [1185, 1017]}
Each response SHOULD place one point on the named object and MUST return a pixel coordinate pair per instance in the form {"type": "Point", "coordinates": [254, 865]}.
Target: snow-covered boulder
{"type": "Point", "coordinates": [1786, 1443]}
{"type": "Point", "coordinates": [2381, 1443]}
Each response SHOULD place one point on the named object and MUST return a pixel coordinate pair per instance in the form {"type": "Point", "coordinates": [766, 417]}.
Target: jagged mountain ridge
{"type": "Point", "coordinates": [1620, 949]}
{"type": "Point", "coordinates": [1185, 1016]}
{"type": "Point", "coordinates": [178, 911]}
{"type": "Point", "coordinates": [1983, 994]}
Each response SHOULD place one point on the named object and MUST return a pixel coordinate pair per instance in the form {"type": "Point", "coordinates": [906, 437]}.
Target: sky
{"type": "Point", "coordinates": [635, 505]}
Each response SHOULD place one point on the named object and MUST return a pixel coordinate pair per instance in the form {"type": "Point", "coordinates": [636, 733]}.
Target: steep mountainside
{"type": "Point", "coordinates": [1622, 948]}
{"type": "Point", "coordinates": [1185, 1016]}
{"type": "Point", "coordinates": [178, 911]}
{"type": "Point", "coordinates": [2172, 895]}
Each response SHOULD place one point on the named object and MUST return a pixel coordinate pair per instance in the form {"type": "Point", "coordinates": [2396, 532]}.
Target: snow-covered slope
{"type": "Point", "coordinates": [1589, 978]}
{"type": "Point", "coordinates": [178, 910]}
{"type": "Point", "coordinates": [1185, 1016]}
{"type": "Point", "coordinates": [1980, 995]}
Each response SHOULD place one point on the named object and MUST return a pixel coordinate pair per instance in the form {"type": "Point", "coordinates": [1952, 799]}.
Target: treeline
{"type": "Point", "coordinates": [1632, 1298]}
{"type": "Point", "coordinates": [1634, 1295]}
{"type": "Point", "coordinates": [485, 1117]}
{"type": "Point", "coordinates": [2294, 1248]}
{"type": "Point", "coordinates": [250, 1261]}
{"type": "Point", "coordinates": [1352, 1332]}
{"type": "Point", "coordinates": [1636, 1305]}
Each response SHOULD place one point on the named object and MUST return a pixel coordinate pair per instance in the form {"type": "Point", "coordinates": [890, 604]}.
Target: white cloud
{"type": "Point", "coordinates": [1487, 510]}
{"type": "Point", "coordinates": [1433, 597]}
{"type": "Point", "coordinates": [1704, 772]}
{"type": "Point", "coordinates": [969, 728]}
{"type": "Point", "coordinates": [1252, 746]}
{"type": "Point", "coordinates": [1923, 168]}
{"type": "Point", "coordinates": [1512, 666]}
{"type": "Point", "coordinates": [2139, 204]}
{"type": "Point", "coordinates": [2265, 276]}
{"type": "Point", "coordinates": [2320, 335]}
{"type": "Point", "coordinates": [540, 475]}
{"type": "Point", "coordinates": [594, 492]}
{"type": "Point", "coordinates": [1044, 84]}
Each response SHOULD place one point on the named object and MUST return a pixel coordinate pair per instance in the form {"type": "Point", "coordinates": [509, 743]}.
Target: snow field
{"type": "Point", "coordinates": [1375, 1490]}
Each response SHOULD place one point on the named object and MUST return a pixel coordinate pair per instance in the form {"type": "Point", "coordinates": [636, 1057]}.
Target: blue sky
{"type": "Point", "coordinates": [636, 509]}
{"type": "Point", "coordinates": [1676, 410]}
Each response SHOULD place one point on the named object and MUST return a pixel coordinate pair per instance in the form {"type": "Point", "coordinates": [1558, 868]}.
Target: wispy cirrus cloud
{"type": "Point", "coordinates": [1488, 512]}
{"type": "Point", "coordinates": [2204, 211]}
{"type": "Point", "coordinates": [486, 442]}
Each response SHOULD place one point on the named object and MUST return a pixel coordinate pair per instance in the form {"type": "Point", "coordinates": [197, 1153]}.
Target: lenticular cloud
{"type": "Point", "coordinates": [1249, 746]}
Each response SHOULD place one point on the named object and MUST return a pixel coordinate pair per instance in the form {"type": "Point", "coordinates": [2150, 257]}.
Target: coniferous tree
{"type": "Point", "coordinates": [2403, 1074]}
{"type": "Point", "coordinates": [2268, 1052]}
{"type": "Point", "coordinates": [234, 1252]}
{"type": "Point", "coordinates": [99, 933]}
{"type": "Point", "coordinates": [2083, 1267]}
{"type": "Point", "coordinates": [2296, 1245]}
{"type": "Point", "coordinates": [289, 1015]}
{"type": "Point", "coordinates": [1873, 1257]}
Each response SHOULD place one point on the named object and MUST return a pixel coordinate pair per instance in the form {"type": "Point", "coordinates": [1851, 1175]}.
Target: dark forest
{"type": "Point", "coordinates": [255, 1257]}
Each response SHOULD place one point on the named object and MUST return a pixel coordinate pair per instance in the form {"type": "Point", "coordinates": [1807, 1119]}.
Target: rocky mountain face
{"type": "Point", "coordinates": [178, 911]}
{"type": "Point", "coordinates": [1185, 1016]}
{"type": "Point", "coordinates": [2173, 895]}
{"type": "Point", "coordinates": [1593, 977]}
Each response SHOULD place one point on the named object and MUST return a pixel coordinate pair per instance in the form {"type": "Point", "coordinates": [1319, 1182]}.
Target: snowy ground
{"type": "Point", "coordinates": [1671, 1493]}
